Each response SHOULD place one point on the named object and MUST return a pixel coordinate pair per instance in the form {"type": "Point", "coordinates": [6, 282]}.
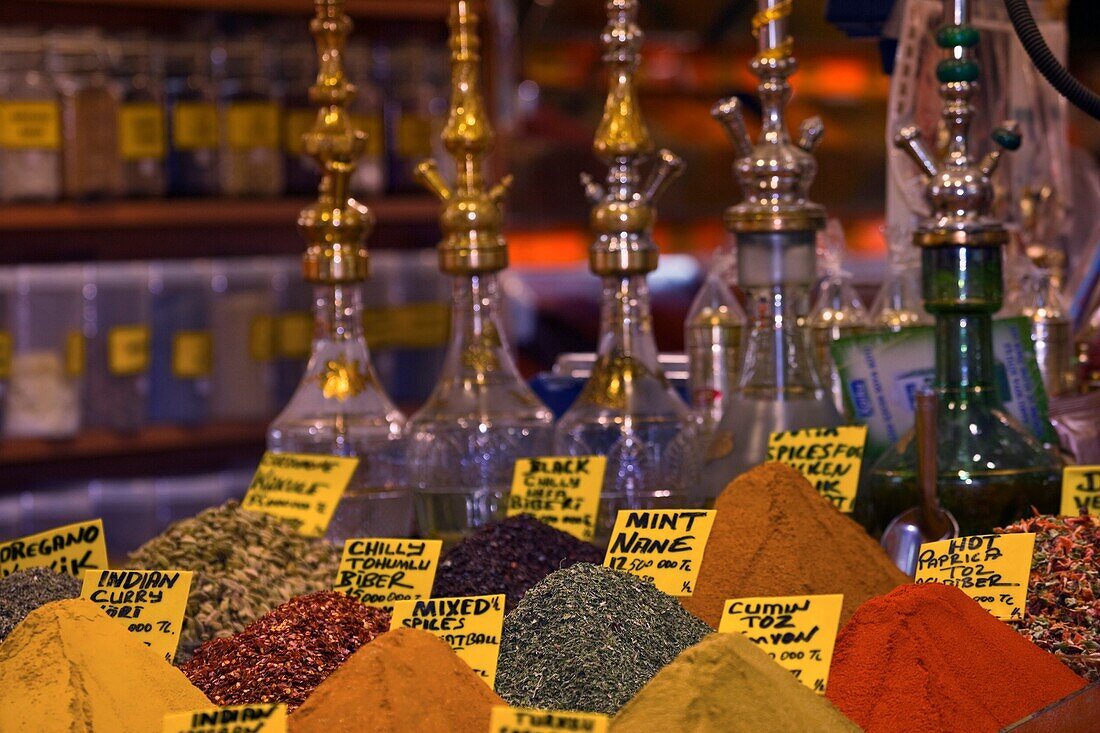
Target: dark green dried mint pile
{"type": "Point", "coordinates": [509, 557]}
{"type": "Point", "coordinates": [589, 638]}
{"type": "Point", "coordinates": [25, 590]}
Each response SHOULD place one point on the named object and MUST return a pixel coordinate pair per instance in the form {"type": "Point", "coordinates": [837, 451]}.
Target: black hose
{"type": "Point", "coordinates": [1028, 32]}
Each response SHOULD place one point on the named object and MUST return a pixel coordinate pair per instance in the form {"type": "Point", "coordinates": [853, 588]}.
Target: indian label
{"type": "Point", "coordinates": [829, 458]}
{"type": "Point", "coordinates": [195, 126]}
{"type": "Point", "coordinates": [413, 326]}
{"type": "Point", "coordinates": [30, 125]}
{"type": "Point", "coordinates": [1080, 485]}
{"type": "Point", "coordinates": [128, 350]}
{"type": "Point", "coordinates": [380, 572]}
{"type": "Point", "coordinates": [294, 335]}
{"type": "Point", "coordinates": [414, 136]}
{"type": "Point", "coordinates": [141, 131]}
{"type": "Point", "coordinates": [261, 338]}
{"type": "Point", "coordinates": [301, 488]}
{"type": "Point", "coordinates": [150, 603]}
{"type": "Point", "coordinates": [74, 354]}
{"type": "Point", "coordinates": [69, 550]}
{"type": "Point", "coordinates": [993, 569]}
{"type": "Point", "coordinates": [376, 137]}
{"type": "Point", "coordinates": [798, 632]}
{"type": "Point", "coordinates": [192, 354]}
{"type": "Point", "coordinates": [260, 718]}
{"type": "Point", "coordinates": [662, 546]}
{"type": "Point", "coordinates": [471, 625]}
{"type": "Point", "coordinates": [562, 491]}
{"type": "Point", "coordinates": [504, 719]}
{"type": "Point", "coordinates": [5, 354]}
{"type": "Point", "coordinates": [296, 123]}
{"type": "Point", "coordinates": [252, 125]}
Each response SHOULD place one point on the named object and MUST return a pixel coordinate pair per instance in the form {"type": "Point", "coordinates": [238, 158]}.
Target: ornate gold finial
{"type": "Point", "coordinates": [336, 226]}
{"type": "Point", "coordinates": [471, 216]}
{"type": "Point", "coordinates": [622, 212]}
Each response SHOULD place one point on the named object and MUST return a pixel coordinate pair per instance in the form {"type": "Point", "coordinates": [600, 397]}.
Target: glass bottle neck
{"type": "Point", "coordinates": [779, 360]}
{"type": "Point", "coordinates": [478, 351]}
{"type": "Point", "coordinates": [626, 324]}
{"type": "Point", "coordinates": [964, 354]}
{"type": "Point", "coordinates": [338, 313]}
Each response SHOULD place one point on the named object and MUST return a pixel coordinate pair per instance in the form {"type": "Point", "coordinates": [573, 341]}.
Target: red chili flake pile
{"type": "Point", "coordinates": [1063, 601]}
{"type": "Point", "coordinates": [283, 655]}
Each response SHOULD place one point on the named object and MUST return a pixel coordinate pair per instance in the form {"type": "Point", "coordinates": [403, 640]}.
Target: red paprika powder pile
{"type": "Point", "coordinates": [928, 659]}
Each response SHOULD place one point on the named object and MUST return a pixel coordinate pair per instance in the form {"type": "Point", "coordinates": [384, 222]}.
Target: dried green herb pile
{"type": "Point", "coordinates": [286, 653]}
{"type": "Point", "coordinates": [1063, 599]}
{"type": "Point", "coordinates": [25, 590]}
{"type": "Point", "coordinates": [509, 557]}
{"type": "Point", "coordinates": [588, 638]}
{"type": "Point", "coordinates": [246, 564]}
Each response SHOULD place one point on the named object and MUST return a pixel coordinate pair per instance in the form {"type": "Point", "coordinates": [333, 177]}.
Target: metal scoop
{"type": "Point", "coordinates": [928, 522]}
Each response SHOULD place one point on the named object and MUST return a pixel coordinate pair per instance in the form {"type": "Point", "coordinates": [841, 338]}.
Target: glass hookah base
{"type": "Point", "coordinates": [372, 512]}
{"type": "Point", "coordinates": [451, 514]}
{"type": "Point", "coordinates": [612, 504]}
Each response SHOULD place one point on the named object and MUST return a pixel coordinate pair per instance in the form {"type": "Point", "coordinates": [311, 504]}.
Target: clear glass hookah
{"type": "Point", "coordinates": [339, 407]}
{"type": "Point", "coordinates": [776, 225]}
{"type": "Point", "coordinates": [482, 416]}
{"type": "Point", "coordinates": [627, 410]}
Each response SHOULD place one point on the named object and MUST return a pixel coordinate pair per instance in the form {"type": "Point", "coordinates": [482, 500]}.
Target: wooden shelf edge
{"type": "Point", "coordinates": [388, 9]}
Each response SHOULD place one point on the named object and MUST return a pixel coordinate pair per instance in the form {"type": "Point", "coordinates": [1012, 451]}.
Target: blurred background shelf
{"type": "Point", "coordinates": [390, 9]}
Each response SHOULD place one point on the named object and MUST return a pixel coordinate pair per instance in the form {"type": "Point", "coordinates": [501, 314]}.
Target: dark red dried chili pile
{"type": "Point", "coordinates": [509, 557]}
{"type": "Point", "coordinates": [283, 655]}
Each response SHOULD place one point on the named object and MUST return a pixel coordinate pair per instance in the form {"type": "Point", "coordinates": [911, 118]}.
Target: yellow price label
{"type": "Point", "coordinates": [993, 569]}
{"type": "Point", "coordinates": [261, 718]}
{"type": "Point", "coordinates": [504, 719]}
{"type": "Point", "coordinates": [128, 350]}
{"type": "Point", "coordinates": [413, 326]}
{"type": "Point", "coordinates": [1080, 490]}
{"type": "Point", "coordinates": [562, 491]}
{"type": "Point", "coordinates": [296, 123]}
{"type": "Point", "coordinates": [74, 354]}
{"type": "Point", "coordinates": [150, 603]}
{"type": "Point", "coordinates": [301, 488]}
{"type": "Point", "coordinates": [294, 335]}
{"type": "Point", "coordinates": [30, 125]}
{"type": "Point", "coordinates": [382, 571]}
{"type": "Point", "coordinates": [829, 458]}
{"type": "Point", "coordinates": [414, 136]}
{"type": "Point", "coordinates": [5, 354]}
{"type": "Point", "coordinates": [141, 131]}
{"type": "Point", "coordinates": [375, 131]}
{"type": "Point", "coordinates": [192, 354]}
{"type": "Point", "coordinates": [251, 125]}
{"type": "Point", "coordinates": [195, 126]}
{"type": "Point", "coordinates": [798, 632]}
{"type": "Point", "coordinates": [69, 550]}
{"type": "Point", "coordinates": [471, 626]}
{"type": "Point", "coordinates": [261, 338]}
{"type": "Point", "coordinates": [662, 546]}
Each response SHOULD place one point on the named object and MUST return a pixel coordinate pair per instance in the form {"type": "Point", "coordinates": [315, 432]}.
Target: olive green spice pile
{"type": "Point", "coordinates": [25, 590]}
{"type": "Point", "coordinates": [246, 564]}
{"type": "Point", "coordinates": [588, 638]}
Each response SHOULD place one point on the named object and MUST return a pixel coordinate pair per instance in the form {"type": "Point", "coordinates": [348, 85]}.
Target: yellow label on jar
{"type": "Point", "coordinates": [150, 603]}
{"type": "Point", "coordinates": [301, 488]}
{"type": "Point", "coordinates": [261, 338]}
{"type": "Point", "coordinates": [381, 571]}
{"type": "Point", "coordinates": [192, 354]}
{"type": "Point", "coordinates": [1080, 488]}
{"type": "Point", "coordinates": [128, 350]}
{"type": "Point", "coordinates": [375, 131]}
{"type": "Point", "coordinates": [562, 491]}
{"type": "Point", "coordinates": [141, 131]}
{"type": "Point", "coordinates": [74, 354]}
{"type": "Point", "coordinates": [252, 125]}
{"type": "Point", "coordinates": [504, 719]}
{"type": "Point", "coordinates": [294, 335]}
{"type": "Point", "coordinates": [69, 550]}
{"type": "Point", "coordinates": [993, 569]}
{"type": "Point", "coordinates": [470, 625]}
{"type": "Point", "coordinates": [5, 355]}
{"type": "Point", "coordinates": [296, 123]}
{"type": "Point", "coordinates": [414, 136]}
{"type": "Point", "coordinates": [829, 458]}
{"type": "Point", "coordinates": [30, 125]}
{"type": "Point", "coordinates": [259, 718]}
{"type": "Point", "coordinates": [413, 326]}
{"type": "Point", "coordinates": [662, 546]}
{"type": "Point", "coordinates": [195, 126]}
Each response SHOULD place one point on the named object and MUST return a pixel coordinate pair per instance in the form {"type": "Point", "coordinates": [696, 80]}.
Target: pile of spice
{"type": "Point", "coordinates": [25, 590]}
{"type": "Point", "coordinates": [286, 653]}
{"type": "Point", "coordinates": [726, 684]}
{"type": "Point", "coordinates": [774, 535]}
{"type": "Point", "coordinates": [588, 638]}
{"type": "Point", "coordinates": [71, 668]}
{"type": "Point", "coordinates": [1063, 595]}
{"type": "Point", "coordinates": [405, 681]}
{"type": "Point", "coordinates": [928, 658]}
{"type": "Point", "coordinates": [246, 564]}
{"type": "Point", "coordinates": [509, 557]}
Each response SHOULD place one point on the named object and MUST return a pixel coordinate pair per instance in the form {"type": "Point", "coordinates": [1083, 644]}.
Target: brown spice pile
{"type": "Point", "coordinates": [405, 681]}
{"type": "Point", "coordinates": [775, 536]}
{"type": "Point", "coordinates": [283, 655]}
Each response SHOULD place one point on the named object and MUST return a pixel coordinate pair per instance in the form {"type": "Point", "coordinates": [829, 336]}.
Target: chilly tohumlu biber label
{"type": "Point", "coordinates": [71, 550]}
{"type": "Point", "coordinates": [562, 491]}
{"type": "Point", "coordinates": [993, 569]}
{"type": "Point", "coordinates": [381, 571]}
{"type": "Point", "coordinates": [300, 488]}
{"type": "Point", "coordinates": [150, 603]}
{"type": "Point", "coordinates": [504, 719]}
{"type": "Point", "coordinates": [262, 718]}
{"type": "Point", "coordinates": [470, 625]}
{"type": "Point", "coordinates": [662, 546]}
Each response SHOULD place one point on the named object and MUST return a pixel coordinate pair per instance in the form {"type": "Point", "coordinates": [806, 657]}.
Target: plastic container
{"type": "Point", "coordinates": [192, 117]}
{"type": "Point", "coordinates": [242, 322]}
{"type": "Point", "coordinates": [293, 325]}
{"type": "Point", "coordinates": [182, 347]}
{"type": "Point", "coordinates": [142, 131]}
{"type": "Point", "coordinates": [250, 120]}
{"type": "Point", "coordinates": [30, 124]}
{"type": "Point", "coordinates": [297, 72]}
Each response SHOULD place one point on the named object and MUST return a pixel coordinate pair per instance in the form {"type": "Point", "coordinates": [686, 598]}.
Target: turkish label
{"type": "Point", "coordinates": [301, 488]}
{"type": "Point", "coordinates": [5, 354]}
{"type": "Point", "coordinates": [471, 626]}
{"type": "Point", "coordinates": [414, 136]}
{"type": "Point", "coordinates": [195, 126]}
{"type": "Point", "coordinates": [829, 458]}
{"type": "Point", "coordinates": [380, 572]}
{"type": "Point", "coordinates": [504, 719]}
{"type": "Point", "coordinates": [294, 335]}
{"type": "Point", "coordinates": [376, 137]}
{"type": "Point", "coordinates": [30, 125]}
{"type": "Point", "coordinates": [261, 718]}
{"type": "Point", "coordinates": [128, 350]}
{"type": "Point", "coordinates": [74, 354]}
{"type": "Point", "coordinates": [993, 569]}
{"type": "Point", "coordinates": [1080, 488]}
{"type": "Point", "coordinates": [141, 131]}
{"type": "Point", "coordinates": [69, 550]}
{"type": "Point", "coordinates": [798, 632]}
{"type": "Point", "coordinates": [251, 125]}
{"type": "Point", "coordinates": [561, 491]}
{"type": "Point", "coordinates": [296, 123]}
{"type": "Point", "coordinates": [261, 338]}
{"type": "Point", "coordinates": [662, 546]}
{"type": "Point", "coordinates": [413, 326]}
{"type": "Point", "coordinates": [151, 603]}
{"type": "Point", "coordinates": [192, 354]}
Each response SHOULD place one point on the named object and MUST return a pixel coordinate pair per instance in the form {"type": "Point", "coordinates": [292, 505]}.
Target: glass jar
{"type": "Point", "coordinates": [250, 120]}
{"type": "Point", "coordinates": [293, 325]}
{"type": "Point", "coordinates": [297, 73]}
{"type": "Point", "coordinates": [182, 352]}
{"type": "Point", "coordinates": [413, 116]}
{"type": "Point", "coordinates": [369, 178]}
{"type": "Point", "coordinates": [30, 123]}
{"type": "Point", "coordinates": [242, 322]}
{"type": "Point", "coordinates": [141, 126]}
{"type": "Point", "coordinates": [192, 117]}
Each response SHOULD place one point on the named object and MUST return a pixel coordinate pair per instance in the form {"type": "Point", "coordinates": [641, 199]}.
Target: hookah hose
{"type": "Point", "coordinates": [1062, 81]}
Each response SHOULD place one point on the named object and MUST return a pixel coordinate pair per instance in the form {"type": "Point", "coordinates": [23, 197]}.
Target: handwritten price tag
{"type": "Point", "coordinates": [233, 719]}
{"type": "Point", "coordinates": [1080, 490]}
{"type": "Point", "coordinates": [70, 550]}
{"type": "Point", "coordinates": [563, 492]}
{"type": "Point", "coordinates": [662, 546]}
{"type": "Point", "coordinates": [798, 632]}
{"type": "Point", "coordinates": [993, 569]}
{"type": "Point", "coordinates": [151, 603]}
{"type": "Point", "coordinates": [471, 626]}
{"type": "Point", "coordinates": [504, 719]}
{"type": "Point", "coordinates": [829, 458]}
{"type": "Point", "coordinates": [379, 572]}
{"type": "Point", "coordinates": [301, 488]}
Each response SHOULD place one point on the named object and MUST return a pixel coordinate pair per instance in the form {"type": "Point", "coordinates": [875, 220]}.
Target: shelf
{"type": "Point", "coordinates": [389, 9]}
